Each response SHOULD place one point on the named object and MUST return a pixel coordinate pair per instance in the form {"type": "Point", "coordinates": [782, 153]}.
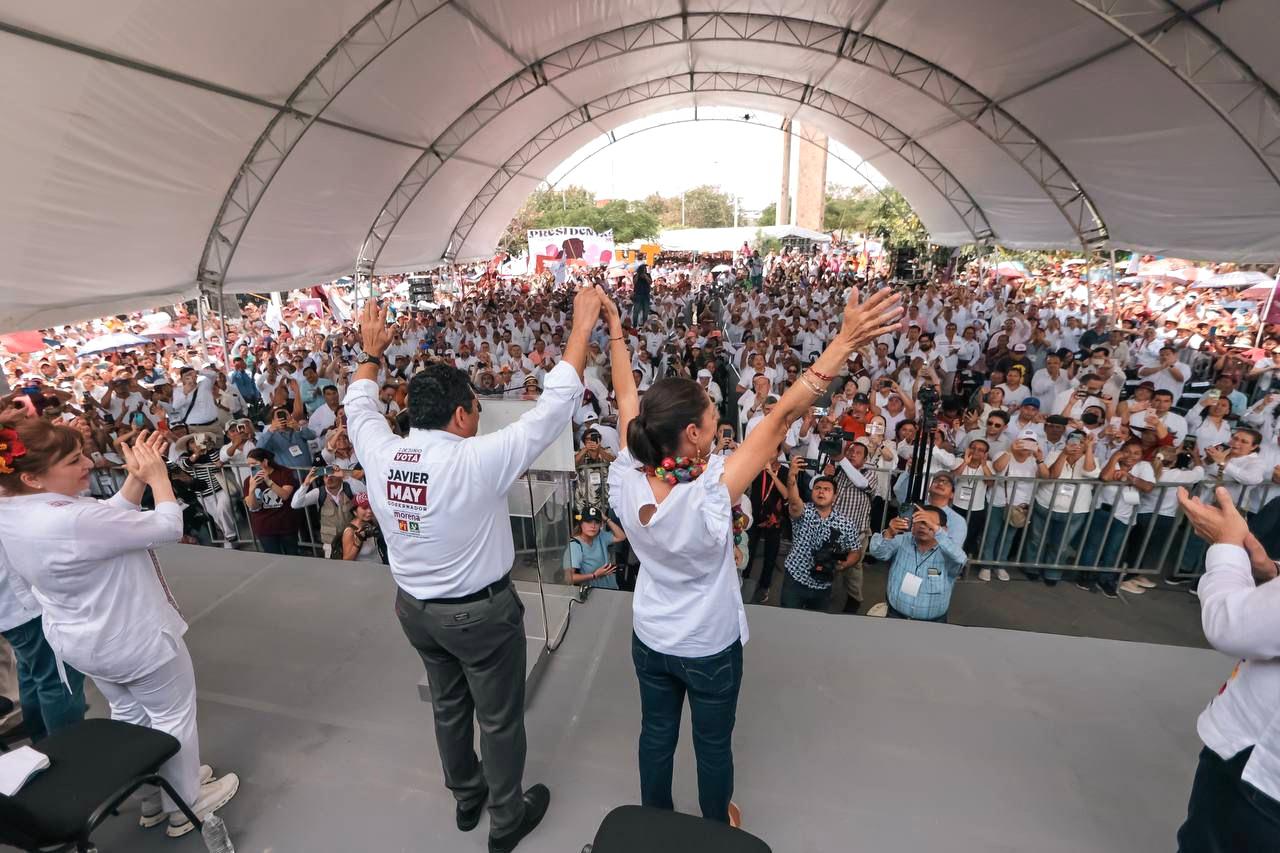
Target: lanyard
{"type": "Point", "coordinates": [920, 561]}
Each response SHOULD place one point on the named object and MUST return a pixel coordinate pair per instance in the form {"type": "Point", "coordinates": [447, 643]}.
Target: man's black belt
{"type": "Point", "coordinates": [488, 592]}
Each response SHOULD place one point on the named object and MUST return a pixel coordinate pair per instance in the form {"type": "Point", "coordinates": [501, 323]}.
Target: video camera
{"type": "Point", "coordinates": [833, 443]}
{"type": "Point", "coordinates": [828, 555]}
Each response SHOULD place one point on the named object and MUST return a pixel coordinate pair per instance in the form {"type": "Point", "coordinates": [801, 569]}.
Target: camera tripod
{"type": "Point", "coordinates": [922, 451]}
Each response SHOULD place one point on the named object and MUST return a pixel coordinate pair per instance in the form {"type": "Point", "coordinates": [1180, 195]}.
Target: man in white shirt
{"type": "Point", "coordinates": [324, 418]}
{"type": "Point", "coordinates": [1235, 798]}
{"type": "Point", "coordinates": [193, 403]}
{"type": "Point", "coordinates": [440, 498]}
{"type": "Point", "coordinates": [1167, 373]}
{"type": "Point", "coordinates": [1050, 380]}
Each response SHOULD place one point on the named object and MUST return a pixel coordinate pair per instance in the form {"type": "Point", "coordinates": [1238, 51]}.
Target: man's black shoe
{"type": "Point", "coordinates": [1109, 592]}
{"type": "Point", "coordinates": [469, 818]}
{"type": "Point", "coordinates": [1049, 582]}
{"type": "Point", "coordinates": [536, 800]}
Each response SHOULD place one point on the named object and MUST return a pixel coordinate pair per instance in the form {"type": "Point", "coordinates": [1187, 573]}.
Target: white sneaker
{"type": "Point", "coordinates": [213, 796]}
{"type": "Point", "coordinates": [153, 813]}
{"type": "Point", "coordinates": [1132, 587]}
{"type": "Point", "coordinates": [1144, 582]}
{"type": "Point", "coordinates": [1001, 574]}
{"type": "Point", "coordinates": [984, 574]}
{"type": "Point", "coordinates": [230, 546]}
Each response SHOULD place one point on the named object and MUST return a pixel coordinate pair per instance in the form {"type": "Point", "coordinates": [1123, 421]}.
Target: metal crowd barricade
{"type": "Point", "coordinates": [1088, 537]}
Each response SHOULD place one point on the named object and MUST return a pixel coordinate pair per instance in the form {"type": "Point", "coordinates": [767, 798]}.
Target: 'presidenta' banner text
{"type": "Point", "coordinates": [570, 244]}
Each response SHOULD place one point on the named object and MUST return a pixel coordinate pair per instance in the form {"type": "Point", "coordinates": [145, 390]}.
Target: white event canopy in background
{"type": "Point", "coordinates": [148, 146]}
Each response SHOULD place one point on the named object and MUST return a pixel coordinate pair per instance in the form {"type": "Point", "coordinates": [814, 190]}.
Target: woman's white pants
{"type": "Point", "coordinates": [165, 699]}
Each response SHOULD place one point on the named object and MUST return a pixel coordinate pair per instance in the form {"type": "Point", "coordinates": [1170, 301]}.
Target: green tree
{"type": "Point", "coordinates": [850, 209]}
{"type": "Point", "coordinates": [768, 216]}
{"type": "Point", "coordinates": [575, 206]}
{"type": "Point", "coordinates": [707, 207]}
{"type": "Point", "coordinates": [896, 224]}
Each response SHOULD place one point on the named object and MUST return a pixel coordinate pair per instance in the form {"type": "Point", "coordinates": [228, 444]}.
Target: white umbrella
{"type": "Point", "coordinates": [1075, 262]}
{"type": "Point", "coordinates": [114, 341]}
{"type": "Point", "coordinates": [1239, 278]}
{"type": "Point", "coordinates": [722, 268]}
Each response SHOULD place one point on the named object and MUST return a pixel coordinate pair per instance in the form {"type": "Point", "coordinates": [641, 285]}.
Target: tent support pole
{"type": "Point", "coordinates": [204, 335]}
{"type": "Point", "coordinates": [1115, 305]}
{"type": "Point", "coordinates": [1262, 318]}
{"type": "Point", "coordinates": [1088, 289]}
{"type": "Point", "coordinates": [222, 330]}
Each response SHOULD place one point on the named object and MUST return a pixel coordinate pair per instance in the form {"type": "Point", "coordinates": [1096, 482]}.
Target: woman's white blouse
{"type": "Point", "coordinates": [87, 563]}
{"type": "Point", "coordinates": [687, 599]}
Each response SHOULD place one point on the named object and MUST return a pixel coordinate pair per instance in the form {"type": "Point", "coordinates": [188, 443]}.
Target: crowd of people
{"type": "Point", "coordinates": [1066, 413]}
{"type": "Point", "coordinates": [967, 422]}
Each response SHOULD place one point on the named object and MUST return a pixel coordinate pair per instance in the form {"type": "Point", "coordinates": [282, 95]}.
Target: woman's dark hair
{"type": "Point", "coordinates": [47, 444]}
{"type": "Point", "coordinates": [435, 393]}
{"type": "Point", "coordinates": [260, 455]}
{"type": "Point", "coordinates": [666, 409]}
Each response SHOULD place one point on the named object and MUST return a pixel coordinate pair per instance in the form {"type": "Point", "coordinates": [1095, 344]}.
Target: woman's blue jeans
{"type": "Point", "coordinates": [47, 703]}
{"type": "Point", "coordinates": [712, 684]}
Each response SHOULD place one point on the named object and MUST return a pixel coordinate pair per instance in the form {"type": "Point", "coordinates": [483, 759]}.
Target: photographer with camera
{"type": "Point", "coordinates": [822, 542]}
{"type": "Point", "coordinates": [327, 487]}
{"type": "Point", "coordinates": [362, 540]}
{"type": "Point", "coordinates": [856, 480]}
{"type": "Point", "coordinates": [923, 564]}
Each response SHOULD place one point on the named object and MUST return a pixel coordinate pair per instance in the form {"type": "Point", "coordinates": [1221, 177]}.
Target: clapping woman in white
{"type": "Point", "coordinates": [675, 501]}
{"type": "Point", "coordinates": [106, 608]}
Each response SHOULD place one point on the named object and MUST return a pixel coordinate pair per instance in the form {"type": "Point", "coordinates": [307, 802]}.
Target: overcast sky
{"type": "Point", "coordinates": [741, 157]}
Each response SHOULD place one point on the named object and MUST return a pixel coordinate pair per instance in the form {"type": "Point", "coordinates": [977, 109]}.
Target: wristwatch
{"type": "Point", "coordinates": [365, 358]}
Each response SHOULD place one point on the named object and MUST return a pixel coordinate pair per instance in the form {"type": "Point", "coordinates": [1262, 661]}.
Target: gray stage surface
{"type": "Point", "coordinates": [853, 733]}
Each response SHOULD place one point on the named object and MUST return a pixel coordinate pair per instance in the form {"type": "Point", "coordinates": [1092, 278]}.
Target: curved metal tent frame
{"type": "Point", "coordinates": [614, 138]}
{"type": "Point", "coordinates": [901, 143]}
{"type": "Point", "coordinates": [843, 44]}
{"type": "Point", "coordinates": [166, 149]}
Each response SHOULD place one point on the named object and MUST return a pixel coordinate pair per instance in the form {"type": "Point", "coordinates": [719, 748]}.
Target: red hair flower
{"type": "Point", "coordinates": [11, 447]}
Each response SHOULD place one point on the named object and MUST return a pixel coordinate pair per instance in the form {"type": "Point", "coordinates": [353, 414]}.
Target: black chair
{"type": "Point", "coordinates": [94, 766]}
{"type": "Point", "coordinates": [13, 734]}
{"type": "Point", "coordinates": [637, 829]}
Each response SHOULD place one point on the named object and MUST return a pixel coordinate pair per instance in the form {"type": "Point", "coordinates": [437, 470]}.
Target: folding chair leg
{"type": "Point", "coordinates": [183, 806]}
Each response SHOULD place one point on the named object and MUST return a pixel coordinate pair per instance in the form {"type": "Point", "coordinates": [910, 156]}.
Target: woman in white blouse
{"type": "Point", "coordinates": [689, 622]}
{"type": "Point", "coordinates": [107, 610]}
{"type": "Point", "coordinates": [1208, 423]}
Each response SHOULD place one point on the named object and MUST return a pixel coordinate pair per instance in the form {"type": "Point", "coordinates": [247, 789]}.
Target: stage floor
{"type": "Point", "coordinates": [853, 733]}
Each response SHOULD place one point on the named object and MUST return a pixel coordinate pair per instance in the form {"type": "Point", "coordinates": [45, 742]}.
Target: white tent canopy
{"type": "Point", "coordinates": [730, 239]}
{"type": "Point", "coordinates": [150, 146]}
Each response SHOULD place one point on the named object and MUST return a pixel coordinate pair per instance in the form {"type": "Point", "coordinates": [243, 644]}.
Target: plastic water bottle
{"type": "Point", "coordinates": [216, 838]}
